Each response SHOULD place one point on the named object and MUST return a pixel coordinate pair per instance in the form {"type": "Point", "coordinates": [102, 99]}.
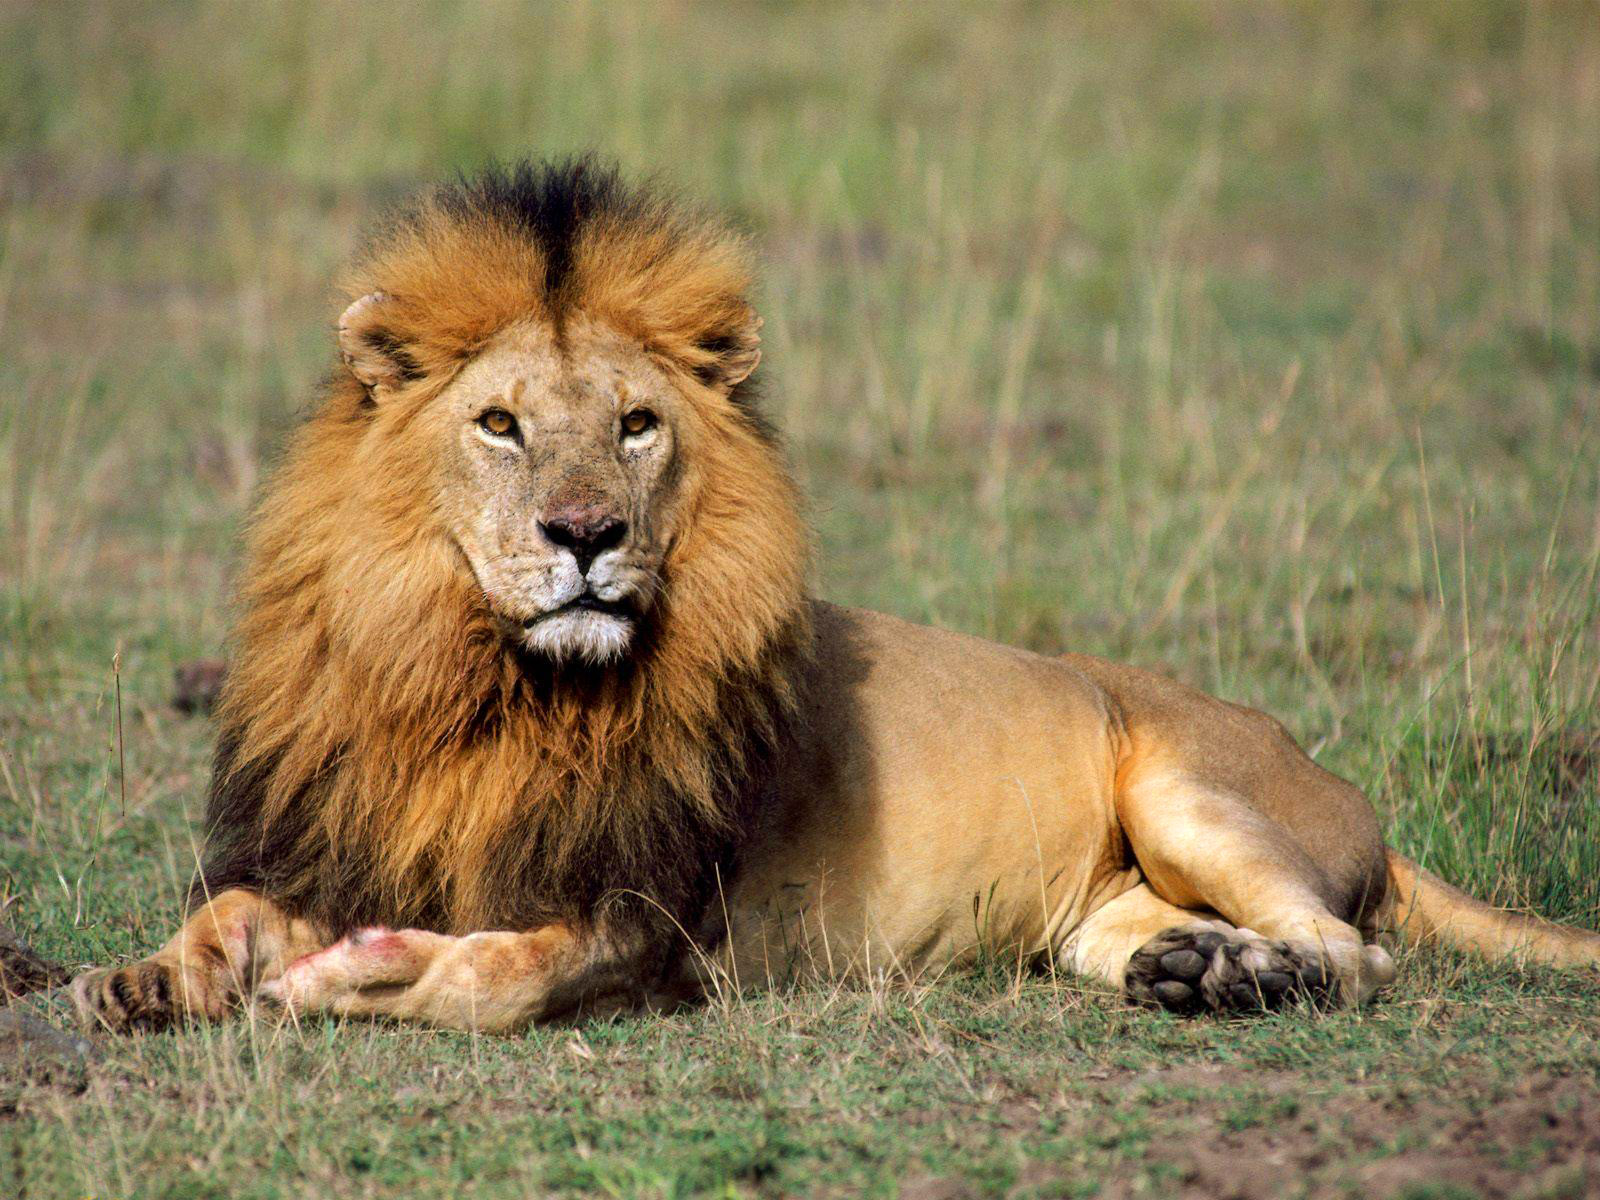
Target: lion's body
{"type": "Point", "coordinates": [951, 796]}
{"type": "Point", "coordinates": [526, 670]}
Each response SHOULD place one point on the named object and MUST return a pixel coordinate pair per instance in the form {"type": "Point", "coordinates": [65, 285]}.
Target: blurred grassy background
{"type": "Point", "coordinates": [1258, 344]}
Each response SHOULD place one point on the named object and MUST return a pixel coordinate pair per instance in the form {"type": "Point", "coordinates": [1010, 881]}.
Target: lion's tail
{"type": "Point", "coordinates": [1426, 908]}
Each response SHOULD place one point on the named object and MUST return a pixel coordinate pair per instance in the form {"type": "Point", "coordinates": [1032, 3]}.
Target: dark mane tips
{"type": "Point", "coordinates": [550, 202]}
{"type": "Point", "coordinates": [553, 239]}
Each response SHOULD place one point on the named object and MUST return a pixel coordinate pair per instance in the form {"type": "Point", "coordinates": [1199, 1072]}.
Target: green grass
{"type": "Point", "coordinates": [1258, 345]}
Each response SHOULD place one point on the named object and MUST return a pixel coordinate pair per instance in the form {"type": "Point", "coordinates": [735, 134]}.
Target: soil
{"type": "Point", "coordinates": [1540, 1139]}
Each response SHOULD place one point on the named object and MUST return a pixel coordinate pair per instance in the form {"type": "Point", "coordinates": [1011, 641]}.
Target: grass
{"type": "Point", "coordinates": [1259, 345]}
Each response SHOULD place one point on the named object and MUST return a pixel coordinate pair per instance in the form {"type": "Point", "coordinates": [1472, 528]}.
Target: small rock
{"type": "Point", "coordinates": [35, 1053]}
{"type": "Point", "coordinates": [196, 685]}
{"type": "Point", "coordinates": [22, 971]}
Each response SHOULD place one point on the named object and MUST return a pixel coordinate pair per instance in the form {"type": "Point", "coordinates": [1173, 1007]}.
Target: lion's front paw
{"type": "Point", "coordinates": [147, 995]}
{"type": "Point", "coordinates": [1214, 966]}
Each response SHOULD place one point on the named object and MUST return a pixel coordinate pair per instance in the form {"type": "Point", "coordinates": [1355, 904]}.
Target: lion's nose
{"type": "Point", "coordinates": [585, 530]}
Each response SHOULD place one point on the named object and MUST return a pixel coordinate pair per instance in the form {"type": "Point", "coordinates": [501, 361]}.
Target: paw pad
{"type": "Point", "coordinates": [1193, 969]}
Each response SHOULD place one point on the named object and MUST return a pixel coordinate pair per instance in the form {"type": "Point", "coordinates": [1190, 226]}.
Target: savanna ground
{"type": "Point", "coordinates": [1261, 345]}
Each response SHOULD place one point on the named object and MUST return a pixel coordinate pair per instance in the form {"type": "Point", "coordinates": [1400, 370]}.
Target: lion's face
{"type": "Point", "coordinates": [560, 478]}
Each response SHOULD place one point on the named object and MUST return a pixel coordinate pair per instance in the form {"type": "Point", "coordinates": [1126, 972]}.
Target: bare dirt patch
{"type": "Point", "coordinates": [1540, 1138]}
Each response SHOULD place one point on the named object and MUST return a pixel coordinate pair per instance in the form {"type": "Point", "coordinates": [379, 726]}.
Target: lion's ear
{"type": "Point", "coordinates": [733, 353]}
{"type": "Point", "coordinates": [374, 352]}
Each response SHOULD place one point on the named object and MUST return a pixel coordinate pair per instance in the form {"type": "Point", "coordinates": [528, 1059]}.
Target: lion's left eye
{"type": "Point", "coordinates": [639, 420]}
{"type": "Point", "coordinates": [498, 422]}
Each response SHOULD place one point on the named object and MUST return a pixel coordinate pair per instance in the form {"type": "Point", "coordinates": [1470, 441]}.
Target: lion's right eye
{"type": "Point", "coordinates": [499, 422]}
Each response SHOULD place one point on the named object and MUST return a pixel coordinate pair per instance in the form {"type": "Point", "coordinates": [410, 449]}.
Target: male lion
{"type": "Point", "coordinates": [530, 713]}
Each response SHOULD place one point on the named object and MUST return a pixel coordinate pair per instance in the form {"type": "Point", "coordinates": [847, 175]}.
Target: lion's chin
{"type": "Point", "coordinates": [581, 635]}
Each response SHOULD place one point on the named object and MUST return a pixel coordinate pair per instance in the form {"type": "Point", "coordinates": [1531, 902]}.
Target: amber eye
{"type": "Point", "coordinates": [498, 422]}
{"type": "Point", "coordinates": [638, 421]}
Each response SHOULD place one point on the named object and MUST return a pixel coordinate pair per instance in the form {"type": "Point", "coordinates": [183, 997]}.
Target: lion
{"type": "Point", "coordinates": [531, 713]}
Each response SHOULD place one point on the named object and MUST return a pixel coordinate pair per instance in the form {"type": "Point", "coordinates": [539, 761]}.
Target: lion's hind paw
{"type": "Point", "coordinates": [1215, 967]}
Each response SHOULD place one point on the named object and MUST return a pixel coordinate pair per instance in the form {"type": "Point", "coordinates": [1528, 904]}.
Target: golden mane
{"type": "Point", "coordinates": [384, 756]}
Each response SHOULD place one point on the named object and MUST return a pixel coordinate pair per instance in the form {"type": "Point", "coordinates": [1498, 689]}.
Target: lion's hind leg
{"type": "Point", "coordinates": [1204, 847]}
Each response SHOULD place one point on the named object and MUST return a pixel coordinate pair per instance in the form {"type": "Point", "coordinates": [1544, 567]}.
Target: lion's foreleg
{"type": "Point", "coordinates": [488, 982]}
{"type": "Point", "coordinates": [222, 952]}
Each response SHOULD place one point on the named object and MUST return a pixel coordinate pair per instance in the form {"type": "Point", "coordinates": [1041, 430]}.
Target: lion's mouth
{"type": "Point", "coordinates": [585, 628]}
{"type": "Point", "coordinates": [588, 602]}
